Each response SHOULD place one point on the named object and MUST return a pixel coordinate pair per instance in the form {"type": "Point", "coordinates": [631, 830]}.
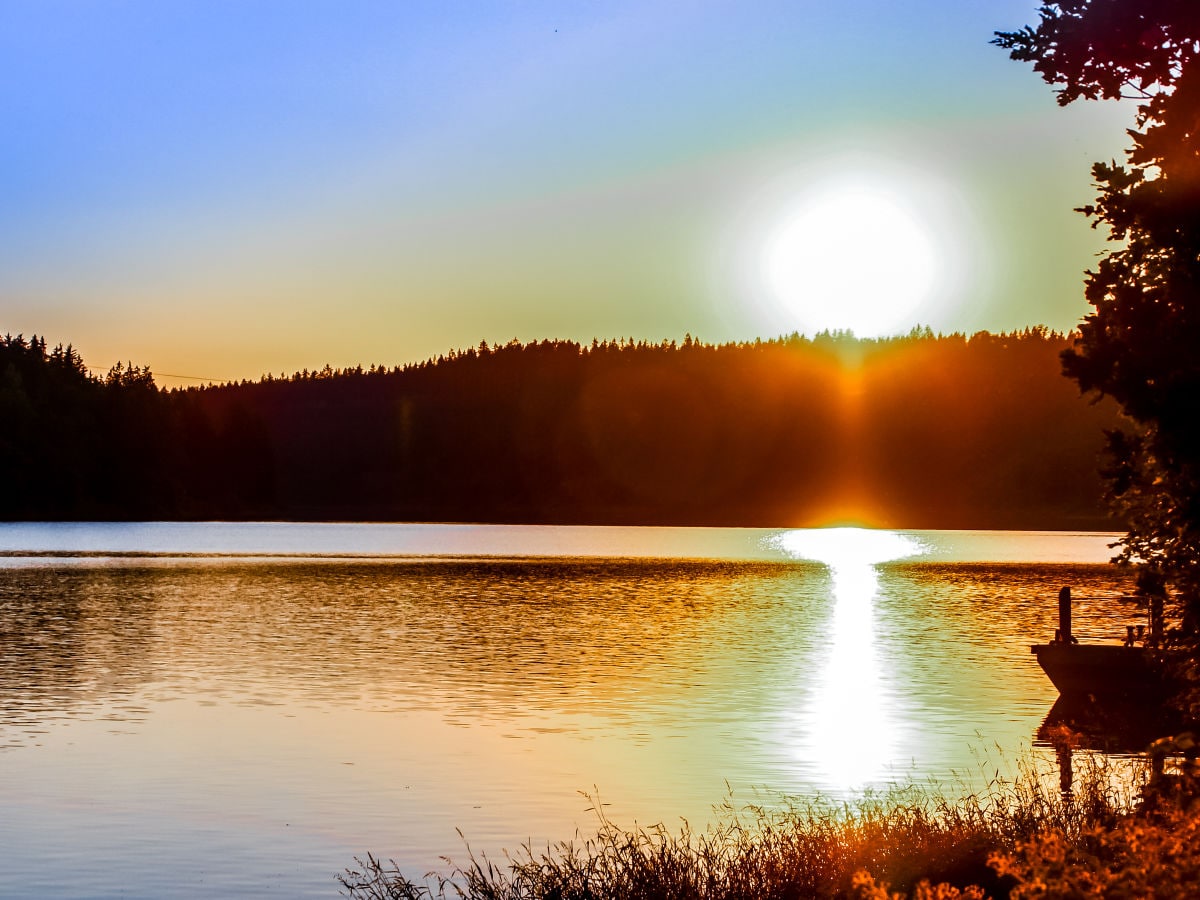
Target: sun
{"type": "Point", "coordinates": [851, 257]}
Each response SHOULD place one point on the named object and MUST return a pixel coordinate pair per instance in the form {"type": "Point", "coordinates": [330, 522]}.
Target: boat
{"type": "Point", "coordinates": [1106, 670]}
{"type": "Point", "coordinates": [1131, 670]}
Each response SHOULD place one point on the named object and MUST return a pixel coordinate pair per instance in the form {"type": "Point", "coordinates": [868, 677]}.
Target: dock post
{"type": "Point", "coordinates": [1066, 771]}
{"type": "Point", "coordinates": [1156, 619]}
{"type": "Point", "coordinates": [1064, 616]}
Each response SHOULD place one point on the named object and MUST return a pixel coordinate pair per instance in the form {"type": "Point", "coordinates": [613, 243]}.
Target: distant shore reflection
{"type": "Point", "coordinates": [849, 733]}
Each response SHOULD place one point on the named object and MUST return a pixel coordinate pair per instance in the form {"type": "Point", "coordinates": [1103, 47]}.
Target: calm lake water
{"type": "Point", "coordinates": [212, 710]}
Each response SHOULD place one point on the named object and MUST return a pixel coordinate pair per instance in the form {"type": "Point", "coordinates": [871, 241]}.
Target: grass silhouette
{"type": "Point", "coordinates": [1022, 838]}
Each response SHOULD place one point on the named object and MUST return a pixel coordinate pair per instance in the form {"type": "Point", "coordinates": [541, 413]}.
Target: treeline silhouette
{"type": "Point", "coordinates": [917, 431]}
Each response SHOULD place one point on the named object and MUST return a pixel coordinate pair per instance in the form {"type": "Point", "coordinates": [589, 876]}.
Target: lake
{"type": "Point", "coordinates": [212, 710]}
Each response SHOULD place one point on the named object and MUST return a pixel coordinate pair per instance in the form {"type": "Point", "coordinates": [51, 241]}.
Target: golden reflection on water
{"type": "Point", "coordinates": [849, 730]}
{"type": "Point", "coordinates": [232, 712]}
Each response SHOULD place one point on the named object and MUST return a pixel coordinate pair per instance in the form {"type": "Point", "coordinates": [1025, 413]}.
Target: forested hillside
{"type": "Point", "coordinates": [920, 431]}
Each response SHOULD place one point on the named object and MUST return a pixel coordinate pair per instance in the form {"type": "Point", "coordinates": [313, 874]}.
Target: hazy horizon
{"type": "Point", "coordinates": [836, 337]}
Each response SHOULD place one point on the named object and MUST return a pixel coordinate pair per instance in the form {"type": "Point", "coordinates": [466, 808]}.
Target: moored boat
{"type": "Point", "coordinates": [1105, 669]}
{"type": "Point", "coordinates": [1130, 670]}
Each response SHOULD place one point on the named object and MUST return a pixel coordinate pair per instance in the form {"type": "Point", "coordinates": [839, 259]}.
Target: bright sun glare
{"type": "Point", "coordinates": [847, 729]}
{"type": "Point", "coordinates": [855, 257]}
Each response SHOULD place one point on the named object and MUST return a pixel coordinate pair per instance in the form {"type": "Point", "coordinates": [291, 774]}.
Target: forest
{"type": "Point", "coordinates": [919, 431]}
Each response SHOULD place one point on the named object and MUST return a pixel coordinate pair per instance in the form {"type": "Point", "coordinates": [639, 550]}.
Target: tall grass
{"type": "Point", "coordinates": [906, 840]}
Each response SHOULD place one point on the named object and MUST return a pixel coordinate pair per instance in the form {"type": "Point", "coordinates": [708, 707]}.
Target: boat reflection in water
{"type": "Point", "coordinates": [849, 733]}
{"type": "Point", "coordinates": [1115, 726]}
{"type": "Point", "coordinates": [1108, 725]}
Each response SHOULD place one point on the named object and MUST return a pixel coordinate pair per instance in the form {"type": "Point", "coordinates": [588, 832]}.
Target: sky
{"type": "Point", "coordinates": [221, 189]}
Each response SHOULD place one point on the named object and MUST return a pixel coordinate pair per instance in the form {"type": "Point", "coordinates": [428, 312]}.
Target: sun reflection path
{"type": "Point", "coordinates": [850, 733]}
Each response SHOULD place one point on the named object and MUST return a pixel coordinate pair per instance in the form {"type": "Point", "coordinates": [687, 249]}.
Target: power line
{"type": "Point", "coordinates": [188, 377]}
{"type": "Point", "coordinates": [168, 375]}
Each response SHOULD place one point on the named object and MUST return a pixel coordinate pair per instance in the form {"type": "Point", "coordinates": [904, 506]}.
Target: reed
{"type": "Point", "coordinates": [907, 842]}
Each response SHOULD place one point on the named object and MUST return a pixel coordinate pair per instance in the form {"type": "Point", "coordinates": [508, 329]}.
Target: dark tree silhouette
{"type": "Point", "coordinates": [919, 431]}
{"type": "Point", "coordinates": [1141, 344]}
{"type": "Point", "coordinates": [48, 417]}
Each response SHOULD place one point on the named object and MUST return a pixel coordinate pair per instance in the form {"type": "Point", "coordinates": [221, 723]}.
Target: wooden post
{"type": "Point", "coordinates": [1066, 771]}
{"type": "Point", "coordinates": [1156, 619]}
{"type": "Point", "coordinates": [1064, 616]}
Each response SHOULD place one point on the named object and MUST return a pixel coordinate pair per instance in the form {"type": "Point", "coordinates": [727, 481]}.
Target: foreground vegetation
{"type": "Point", "coordinates": [1022, 840]}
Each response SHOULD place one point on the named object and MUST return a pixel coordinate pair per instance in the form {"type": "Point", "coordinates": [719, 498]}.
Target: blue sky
{"type": "Point", "coordinates": [222, 189]}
